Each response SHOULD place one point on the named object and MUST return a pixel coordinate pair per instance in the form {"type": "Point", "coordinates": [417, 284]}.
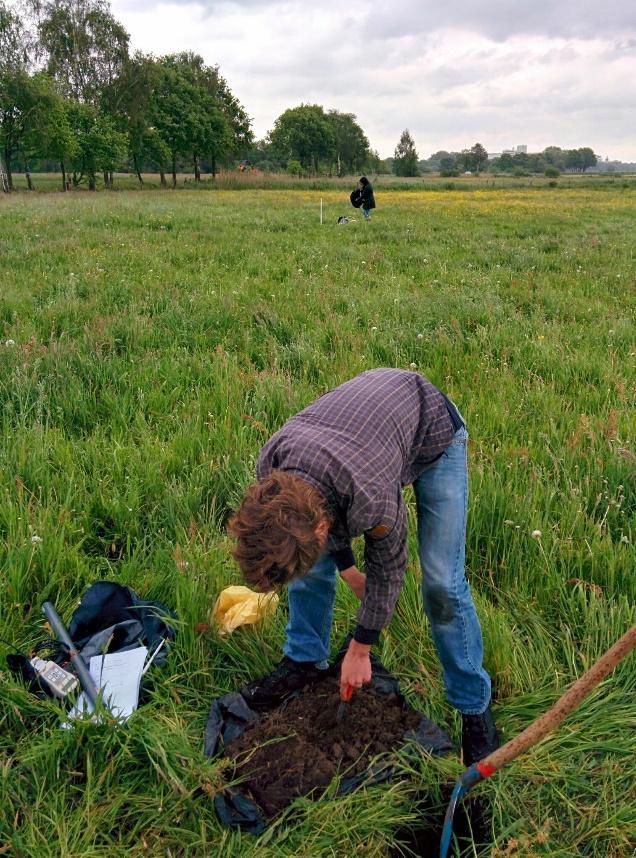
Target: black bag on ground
{"type": "Point", "coordinates": [110, 618]}
{"type": "Point", "coordinates": [112, 610]}
{"type": "Point", "coordinates": [230, 716]}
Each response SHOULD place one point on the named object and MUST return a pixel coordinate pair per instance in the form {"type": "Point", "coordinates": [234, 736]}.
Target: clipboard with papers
{"type": "Point", "coordinates": [117, 676]}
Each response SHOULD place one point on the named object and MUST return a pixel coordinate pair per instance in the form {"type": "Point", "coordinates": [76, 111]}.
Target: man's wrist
{"type": "Point", "coordinates": [359, 649]}
{"type": "Point", "coordinates": [345, 574]}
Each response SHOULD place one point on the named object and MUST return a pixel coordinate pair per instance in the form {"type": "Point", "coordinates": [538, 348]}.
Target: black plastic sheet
{"type": "Point", "coordinates": [230, 716]}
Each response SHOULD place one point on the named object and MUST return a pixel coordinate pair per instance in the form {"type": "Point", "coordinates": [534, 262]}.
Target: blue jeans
{"type": "Point", "coordinates": [441, 493]}
{"type": "Point", "coordinates": [366, 213]}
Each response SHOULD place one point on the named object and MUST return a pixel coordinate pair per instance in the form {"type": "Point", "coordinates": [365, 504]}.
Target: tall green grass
{"type": "Point", "coordinates": [237, 181]}
{"type": "Point", "coordinates": [150, 343]}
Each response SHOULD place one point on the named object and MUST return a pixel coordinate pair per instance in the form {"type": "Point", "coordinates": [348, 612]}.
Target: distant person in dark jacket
{"type": "Point", "coordinates": [368, 200]}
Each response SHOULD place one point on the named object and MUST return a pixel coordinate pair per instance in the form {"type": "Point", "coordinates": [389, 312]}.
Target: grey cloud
{"type": "Point", "coordinates": [221, 6]}
{"type": "Point", "coordinates": [419, 66]}
{"type": "Point", "coordinates": [496, 19]}
{"type": "Point", "coordinates": [623, 48]}
{"type": "Point", "coordinates": [500, 19]}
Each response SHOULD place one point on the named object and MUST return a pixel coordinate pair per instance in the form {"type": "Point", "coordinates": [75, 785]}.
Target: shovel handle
{"type": "Point", "coordinates": [566, 704]}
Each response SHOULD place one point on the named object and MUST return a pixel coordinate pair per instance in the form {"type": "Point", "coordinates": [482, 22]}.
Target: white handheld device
{"type": "Point", "coordinates": [59, 681]}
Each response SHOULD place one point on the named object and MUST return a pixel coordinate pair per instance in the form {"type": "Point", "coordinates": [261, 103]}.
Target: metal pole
{"type": "Point", "coordinates": [4, 181]}
{"type": "Point", "coordinates": [86, 680]}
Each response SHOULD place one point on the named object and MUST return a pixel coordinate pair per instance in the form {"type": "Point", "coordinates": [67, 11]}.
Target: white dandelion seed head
{"type": "Point", "coordinates": [536, 534]}
{"type": "Point", "coordinates": [413, 365]}
{"type": "Point", "coordinates": [420, 336]}
{"type": "Point", "coordinates": [35, 539]}
{"type": "Point", "coordinates": [9, 343]}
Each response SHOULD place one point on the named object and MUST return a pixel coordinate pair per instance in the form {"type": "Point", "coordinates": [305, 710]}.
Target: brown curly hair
{"type": "Point", "coordinates": [275, 530]}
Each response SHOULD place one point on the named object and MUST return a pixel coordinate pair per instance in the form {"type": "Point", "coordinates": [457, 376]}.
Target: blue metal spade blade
{"type": "Point", "coordinates": [467, 781]}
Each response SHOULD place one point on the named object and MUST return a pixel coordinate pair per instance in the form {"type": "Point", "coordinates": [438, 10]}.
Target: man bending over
{"type": "Point", "coordinates": [335, 471]}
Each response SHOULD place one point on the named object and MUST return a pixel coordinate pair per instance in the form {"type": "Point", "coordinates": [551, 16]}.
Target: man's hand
{"type": "Point", "coordinates": [356, 666]}
{"type": "Point", "coordinates": [355, 579]}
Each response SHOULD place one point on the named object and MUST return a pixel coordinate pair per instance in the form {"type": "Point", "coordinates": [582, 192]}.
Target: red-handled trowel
{"type": "Point", "coordinates": [345, 697]}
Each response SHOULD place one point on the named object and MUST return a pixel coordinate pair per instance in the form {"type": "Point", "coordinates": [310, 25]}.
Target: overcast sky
{"type": "Point", "coordinates": [539, 72]}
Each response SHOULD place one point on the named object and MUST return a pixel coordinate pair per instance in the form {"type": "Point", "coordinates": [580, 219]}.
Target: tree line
{"type": "Point", "coordinates": [74, 99]}
{"type": "Point", "coordinates": [71, 93]}
{"type": "Point", "coordinates": [551, 161]}
{"type": "Point", "coordinates": [308, 139]}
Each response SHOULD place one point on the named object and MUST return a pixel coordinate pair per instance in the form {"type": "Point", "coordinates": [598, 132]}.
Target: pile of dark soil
{"type": "Point", "coordinates": [299, 748]}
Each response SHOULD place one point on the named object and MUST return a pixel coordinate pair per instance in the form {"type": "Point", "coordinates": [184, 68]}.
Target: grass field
{"type": "Point", "coordinates": [234, 180]}
{"type": "Point", "coordinates": [150, 343]}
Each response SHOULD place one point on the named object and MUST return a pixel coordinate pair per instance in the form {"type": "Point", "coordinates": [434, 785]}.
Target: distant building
{"type": "Point", "coordinates": [516, 150]}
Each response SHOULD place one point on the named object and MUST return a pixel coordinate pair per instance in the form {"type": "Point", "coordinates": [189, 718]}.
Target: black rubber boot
{"type": "Point", "coordinates": [479, 737]}
{"type": "Point", "coordinates": [271, 690]}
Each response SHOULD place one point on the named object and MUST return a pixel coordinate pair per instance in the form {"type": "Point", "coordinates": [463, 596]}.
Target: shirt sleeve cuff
{"type": "Point", "coordinates": [366, 636]}
{"type": "Point", "coordinates": [344, 558]}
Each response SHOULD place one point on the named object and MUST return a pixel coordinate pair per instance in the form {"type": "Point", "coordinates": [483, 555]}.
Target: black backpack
{"type": "Point", "coordinates": [111, 615]}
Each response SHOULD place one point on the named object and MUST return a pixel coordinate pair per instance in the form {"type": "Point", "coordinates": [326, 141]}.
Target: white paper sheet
{"type": "Point", "coordinates": [119, 675]}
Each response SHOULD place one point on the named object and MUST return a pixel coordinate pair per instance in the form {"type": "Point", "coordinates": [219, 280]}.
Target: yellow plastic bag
{"type": "Point", "coordinates": [240, 606]}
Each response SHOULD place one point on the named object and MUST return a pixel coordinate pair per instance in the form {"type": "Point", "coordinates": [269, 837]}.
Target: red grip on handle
{"type": "Point", "coordinates": [485, 770]}
{"type": "Point", "coordinates": [347, 694]}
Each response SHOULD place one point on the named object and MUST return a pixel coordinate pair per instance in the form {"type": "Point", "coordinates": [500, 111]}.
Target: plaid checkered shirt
{"type": "Point", "coordinates": [359, 444]}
